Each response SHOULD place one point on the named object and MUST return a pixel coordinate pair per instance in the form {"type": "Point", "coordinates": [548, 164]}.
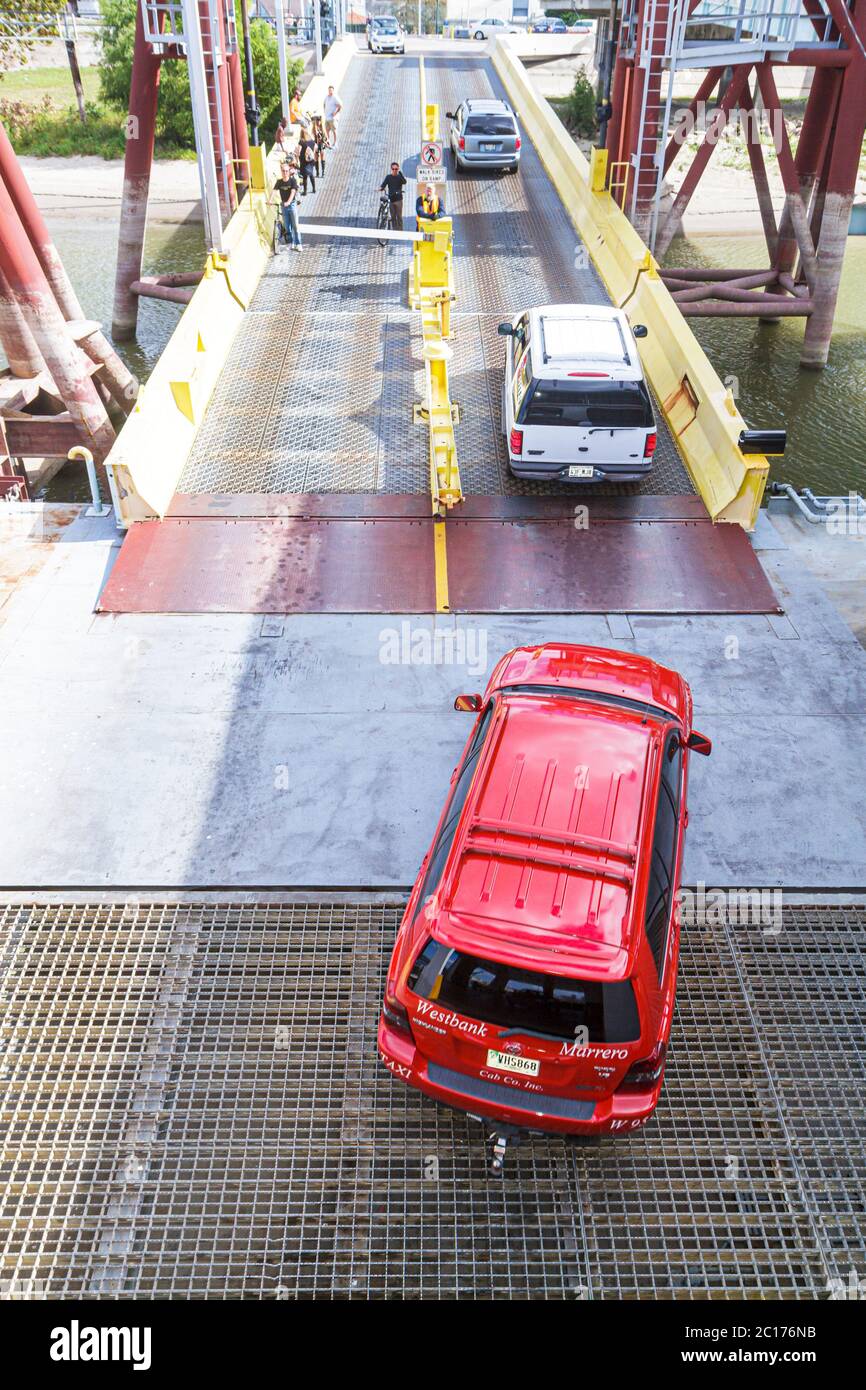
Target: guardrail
{"type": "Point", "coordinates": [700, 412]}
{"type": "Point", "coordinates": [149, 455]}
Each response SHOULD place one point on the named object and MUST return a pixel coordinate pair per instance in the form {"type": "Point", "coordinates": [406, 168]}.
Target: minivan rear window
{"type": "Point", "coordinates": [489, 125]}
{"type": "Point", "coordinates": [558, 1006]}
{"type": "Point", "coordinates": [603, 404]}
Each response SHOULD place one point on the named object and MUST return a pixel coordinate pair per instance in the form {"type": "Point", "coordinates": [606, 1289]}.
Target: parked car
{"type": "Point", "coordinates": [575, 403]}
{"type": "Point", "coordinates": [384, 35]}
{"type": "Point", "coordinates": [484, 134]}
{"type": "Point", "coordinates": [548, 26]}
{"type": "Point", "coordinates": [494, 28]}
{"type": "Point", "coordinates": [532, 980]}
{"type": "Point", "coordinates": [582, 27]}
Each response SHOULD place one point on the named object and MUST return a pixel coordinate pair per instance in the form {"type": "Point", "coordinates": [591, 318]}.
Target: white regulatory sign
{"type": "Point", "coordinates": [427, 175]}
{"type": "Point", "coordinates": [431, 153]}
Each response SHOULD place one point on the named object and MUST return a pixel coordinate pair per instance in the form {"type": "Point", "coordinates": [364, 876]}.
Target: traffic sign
{"type": "Point", "coordinates": [431, 153]}
{"type": "Point", "coordinates": [426, 174]}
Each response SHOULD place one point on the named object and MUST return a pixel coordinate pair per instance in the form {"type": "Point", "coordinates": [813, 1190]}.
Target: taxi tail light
{"type": "Point", "coordinates": [515, 441]}
{"type": "Point", "coordinates": [650, 447]}
{"type": "Point", "coordinates": [645, 1074]}
{"type": "Point", "coordinates": [395, 1014]}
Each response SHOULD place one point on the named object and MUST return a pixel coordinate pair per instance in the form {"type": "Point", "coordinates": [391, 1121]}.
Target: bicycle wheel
{"type": "Point", "coordinates": [276, 234]}
{"type": "Point", "coordinates": [383, 222]}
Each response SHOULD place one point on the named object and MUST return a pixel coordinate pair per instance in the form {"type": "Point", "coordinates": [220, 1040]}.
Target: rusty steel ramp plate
{"type": "Point", "coordinates": [612, 564]}
{"type": "Point", "coordinates": [336, 553]}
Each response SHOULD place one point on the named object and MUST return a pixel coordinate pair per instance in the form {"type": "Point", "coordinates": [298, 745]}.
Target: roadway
{"type": "Point", "coordinates": [317, 395]}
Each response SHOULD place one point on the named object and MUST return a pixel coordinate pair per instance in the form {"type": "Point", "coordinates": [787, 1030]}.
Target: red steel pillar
{"type": "Point", "coordinates": [239, 120]}
{"type": "Point", "coordinates": [838, 193]}
{"type": "Point", "coordinates": [141, 131]}
{"type": "Point", "coordinates": [19, 345]}
{"type": "Point", "coordinates": [118, 378]}
{"type": "Point", "coordinates": [69, 368]}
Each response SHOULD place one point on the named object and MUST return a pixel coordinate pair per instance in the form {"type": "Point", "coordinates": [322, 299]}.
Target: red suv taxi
{"type": "Point", "coordinates": [532, 981]}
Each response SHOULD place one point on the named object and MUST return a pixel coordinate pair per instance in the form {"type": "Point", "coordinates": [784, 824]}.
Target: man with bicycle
{"type": "Point", "coordinates": [393, 184]}
{"type": "Point", "coordinates": [286, 187]}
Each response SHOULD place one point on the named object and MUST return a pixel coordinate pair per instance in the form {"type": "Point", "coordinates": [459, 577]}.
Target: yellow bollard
{"type": "Point", "coordinates": [598, 170]}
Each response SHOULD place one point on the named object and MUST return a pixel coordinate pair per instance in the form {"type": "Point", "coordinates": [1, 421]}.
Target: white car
{"type": "Point", "coordinates": [494, 28]}
{"type": "Point", "coordinates": [575, 403]}
{"type": "Point", "coordinates": [385, 35]}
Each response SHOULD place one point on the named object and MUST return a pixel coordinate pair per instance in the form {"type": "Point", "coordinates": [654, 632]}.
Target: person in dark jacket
{"type": "Point", "coordinates": [395, 182]}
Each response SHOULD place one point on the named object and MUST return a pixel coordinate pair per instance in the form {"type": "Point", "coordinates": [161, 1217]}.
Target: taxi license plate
{"type": "Point", "coordinates": [581, 470]}
{"type": "Point", "coordinates": [505, 1061]}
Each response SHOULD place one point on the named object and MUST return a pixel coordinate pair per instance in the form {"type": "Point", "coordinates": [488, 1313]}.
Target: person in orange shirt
{"type": "Point", "coordinates": [296, 115]}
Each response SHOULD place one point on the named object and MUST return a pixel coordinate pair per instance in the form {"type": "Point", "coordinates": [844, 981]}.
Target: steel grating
{"type": "Point", "coordinates": [193, 1108]}
{"type": "Point", "coordinates": [318, 392]}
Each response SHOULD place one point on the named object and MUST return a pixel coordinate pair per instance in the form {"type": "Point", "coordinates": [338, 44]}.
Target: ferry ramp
{"type": "Point", "coordinates": [315, 403]}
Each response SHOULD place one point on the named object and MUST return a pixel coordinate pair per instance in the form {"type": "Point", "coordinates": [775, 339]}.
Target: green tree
{"type": "Point", "coordinates": [266, 71]}
{"type": "Point", "coordinates": [22, 24]}
{"type": "Point", "coordinates": [174, 112]}
{"type": "Point", "coordinates": [580, 106]}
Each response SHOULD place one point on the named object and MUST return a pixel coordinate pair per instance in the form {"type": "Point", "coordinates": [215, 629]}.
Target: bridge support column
{"type": "Point", "coordinates": [140, 135]}
{"type": "Point", "coordinates": [837, 197]}
{"type": "Point", "coordinates": [69, 368]}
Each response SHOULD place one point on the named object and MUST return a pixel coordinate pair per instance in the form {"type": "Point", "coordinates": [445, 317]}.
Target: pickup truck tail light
{"type": "Point", "coordinates": [650, 447]}
{"type": "Point", "coordinates": [515, 441]}
{"type": "Point", "coordinates": [461, 142]}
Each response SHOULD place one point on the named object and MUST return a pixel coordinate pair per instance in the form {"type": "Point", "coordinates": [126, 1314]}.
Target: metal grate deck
{"type": "Point", "coordinates": [193, 1108]}
{"type": "Point", "coordinates": [317, 394]}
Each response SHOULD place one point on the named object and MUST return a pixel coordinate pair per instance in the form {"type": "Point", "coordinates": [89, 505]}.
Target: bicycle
{"type": "Point", "coordinates": [279, 235]}
{"type": "Point", "coordinates": [383, 217]}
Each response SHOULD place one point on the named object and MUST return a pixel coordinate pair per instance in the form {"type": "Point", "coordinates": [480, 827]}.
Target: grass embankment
{"type": "Point", "coordinates": [38, 108]}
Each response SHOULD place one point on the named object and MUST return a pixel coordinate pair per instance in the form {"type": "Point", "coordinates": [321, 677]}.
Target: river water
{"type": "Point", "coordinates": [823, 412]}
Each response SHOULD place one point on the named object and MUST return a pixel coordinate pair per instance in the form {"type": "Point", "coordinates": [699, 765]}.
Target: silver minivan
{"type": "Point", "coordinates": [575, 404]}
{"type": "Point", "coordinates": [484, 135]}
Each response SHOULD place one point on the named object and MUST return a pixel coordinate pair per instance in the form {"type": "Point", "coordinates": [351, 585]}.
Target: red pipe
{"type": "Point", "coordinates": [138, 158]}
{"type": "Point", "coordinates": [22, 354]}
{"type": "Point", "coordinates": [838, 192]}
{"type": "Point", "coordinates": [64, 360]}
{"type": "Point", "coordinates": [239, 120]}
{"type": "Point", "coordinates": [119, 379]}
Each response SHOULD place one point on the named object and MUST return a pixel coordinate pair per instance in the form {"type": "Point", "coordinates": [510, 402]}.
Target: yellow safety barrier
{"type": "Point", "coordinates": [151, 450]}
{"type": "Point", "coordinates": [699, 411]}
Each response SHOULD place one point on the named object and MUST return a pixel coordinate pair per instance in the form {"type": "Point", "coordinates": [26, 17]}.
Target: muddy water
{"type": "Point", "coordinates": [823, 412]}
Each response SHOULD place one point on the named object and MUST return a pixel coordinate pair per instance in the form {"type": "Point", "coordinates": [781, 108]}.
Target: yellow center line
{"type": "Point", "coordinates": [440, 562]}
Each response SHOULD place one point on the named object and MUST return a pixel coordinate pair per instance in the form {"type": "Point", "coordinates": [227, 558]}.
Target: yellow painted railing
{"type": "Point", "coordinates": [431, 290]}
{"type": "Point", "coordinates": [700, 412]}
{"type": "Point", "coordinates": [148, 457]}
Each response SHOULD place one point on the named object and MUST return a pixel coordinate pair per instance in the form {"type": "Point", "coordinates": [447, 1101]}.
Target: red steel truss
{"type": "Point", "coordinates": [805, 249]}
